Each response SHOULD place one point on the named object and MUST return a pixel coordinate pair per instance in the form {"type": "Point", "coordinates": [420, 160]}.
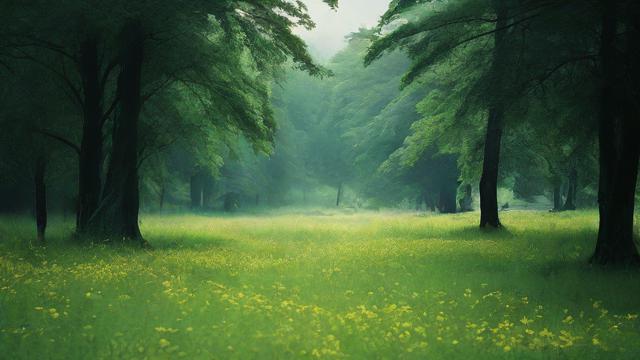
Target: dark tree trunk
{"type": "Point", "coordinates": [231, 202]}
{"type": "Point", "coordinates": [207, 191]}
{"type": "Point", "coordinates": [419, 200]}
{"type": "Point", "coordinates": [40, 198]}
{"type": "Point", "coordinates": [90, 160]}
{"type": "Point", "coordinates": [619, 150]}
{"type": "Point", "coordinates": [339, 196]}
{"type": "Point", "coordinates": [489, 179]}
{"type": "Point", "coordinates": [163, 189]}
{"type": "Point", "coordinates": [557, 195]}
{"type": "Point", "coordinates": [429, 202]}
{"type": "Point", "coordinates": [572, 190]}
{"type": "Point", "coordinates": [196, 191]}
{"type": "Point", "coordinates": [117, 215]}
{"type": "Point", "coordinates": [490, 164]}
{"type": "Point", "coordinates": [447, 200]}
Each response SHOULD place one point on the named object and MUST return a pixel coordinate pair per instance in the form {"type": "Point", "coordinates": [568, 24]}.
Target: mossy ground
{"type": "Point", "coordinates": [341, 286]}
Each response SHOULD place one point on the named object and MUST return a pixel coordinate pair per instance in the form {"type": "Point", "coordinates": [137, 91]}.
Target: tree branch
{"type": "Point", "coordinates": [110, 110]}
{"type": "Point", "coordinates": [107, 72]}
{"type": "Point", "coordinates": [59, 138]}
{"type": "Point", "coordinates": [76, 93]}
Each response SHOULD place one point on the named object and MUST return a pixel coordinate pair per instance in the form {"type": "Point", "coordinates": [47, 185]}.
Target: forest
{"type": "Point", "coordinates": [195, 179]}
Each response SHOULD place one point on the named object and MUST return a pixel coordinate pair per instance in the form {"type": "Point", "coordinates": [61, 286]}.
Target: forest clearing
{"type": "Point", "coordinates": [283, 179]}
{"type": "Point", "coordinates": [363, 285]}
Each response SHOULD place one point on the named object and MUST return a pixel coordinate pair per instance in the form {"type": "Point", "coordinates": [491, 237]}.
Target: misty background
{"type": "Point", "coordinates": [332, 26]}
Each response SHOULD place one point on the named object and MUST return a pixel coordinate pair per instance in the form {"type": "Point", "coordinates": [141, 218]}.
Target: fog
{"type": "Point", "coordinates": [332, 26]}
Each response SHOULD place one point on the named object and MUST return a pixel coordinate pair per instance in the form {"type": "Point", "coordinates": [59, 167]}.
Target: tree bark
{"type": "Point", "coordinates": [572, 190]}
{"type": "Point", "coordinates": [117, 216]}
{"type": "Point", "coordinates": [619, 153]}
{"type": "Point", "coordinates": [489, 179]}
{"type": "Point", "coordinates": [339, 196]}
{"type": "Point", "coordinates": [40, 198]}
{"type": "Point", "coordinates": [90, 160]}
{"type": "Point", "coordinates": [490, 164]}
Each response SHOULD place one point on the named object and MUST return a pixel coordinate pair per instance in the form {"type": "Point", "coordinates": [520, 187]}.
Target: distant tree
{"type": "Point", "coordinates": [30, 153]}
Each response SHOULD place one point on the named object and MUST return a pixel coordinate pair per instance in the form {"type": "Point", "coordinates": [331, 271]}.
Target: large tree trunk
{"type": "Point", "coordinates": [572, 190]}
{"type": "Point", "coordinates": [490, 164]}
{"type": "Point", "coordinates": [90, 160]}
{"type": "Point", "coordinates": [117, 216]}
{"type": "Point", "coordinates": [619, 150]}
{"type": "Point", "coordinates": [489, 179]}
{"type": "Point", "coordinates": [339, 196]}
{"type": "Point", "coordinates": [40, 198]}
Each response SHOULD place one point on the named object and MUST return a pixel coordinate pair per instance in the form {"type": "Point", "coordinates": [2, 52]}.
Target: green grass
{"type": "Point", "coordinates": [356, 286]}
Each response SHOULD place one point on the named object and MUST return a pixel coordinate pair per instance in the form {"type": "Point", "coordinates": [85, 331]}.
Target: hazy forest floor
{"type": "Point", "coordinates": [357, 286]}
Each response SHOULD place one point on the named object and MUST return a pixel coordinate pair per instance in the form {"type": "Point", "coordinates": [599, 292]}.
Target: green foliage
{"type": "Point", "coordinates": [451, 47]}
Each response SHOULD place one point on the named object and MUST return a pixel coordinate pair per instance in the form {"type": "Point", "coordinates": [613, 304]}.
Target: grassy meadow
{"type": "Point", "coordinates": [359, 286]}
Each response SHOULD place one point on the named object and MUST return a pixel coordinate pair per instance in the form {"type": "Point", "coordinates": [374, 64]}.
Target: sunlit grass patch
{"type": "Point", "coordinates": [361, 286]}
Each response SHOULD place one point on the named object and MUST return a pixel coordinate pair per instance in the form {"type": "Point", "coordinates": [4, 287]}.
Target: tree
{"type": "Point", "coordinates": [132, 39]}
{"type": "Point", "coordinates": [30, 155]}
{"type": "Point", "coordinates": [434, 35]}
{"type": "Point", "coordinates": [618, 130]}
{"type": "Point", "coordinates": [264, 30]}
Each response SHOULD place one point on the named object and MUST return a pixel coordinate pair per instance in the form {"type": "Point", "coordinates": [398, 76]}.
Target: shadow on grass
{"type": "Point", "coordinates": [475, 233]}
{"type": "Point", "coordinates": [478, 233]}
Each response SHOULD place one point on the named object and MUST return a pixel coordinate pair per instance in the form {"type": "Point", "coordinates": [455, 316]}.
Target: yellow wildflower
{"type": "Point", "coordinates": [164, 343]}
{"type": "Point", "coordinates": [525, 321]}
{"type": "Point", "coordinates": [546, 333]}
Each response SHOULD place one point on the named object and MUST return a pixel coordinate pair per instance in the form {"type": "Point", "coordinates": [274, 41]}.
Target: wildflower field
{"type": "Point", "coordinates": [312, 286]}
